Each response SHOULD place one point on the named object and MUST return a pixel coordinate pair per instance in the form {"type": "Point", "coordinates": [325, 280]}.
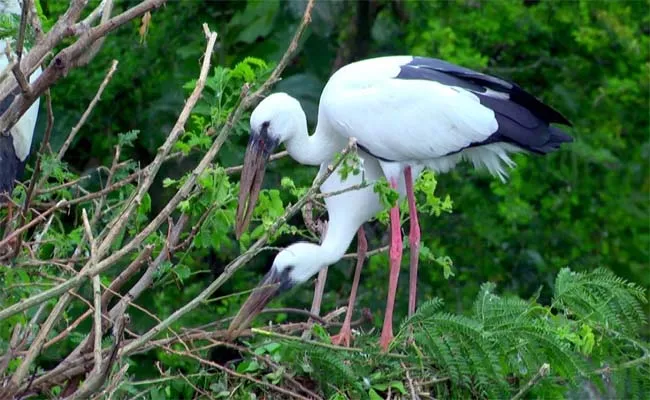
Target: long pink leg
{"type": "Point", "coordinates": [318, 298]}
{"type": "Point", "coordinates": [414, 241]}
{"type": "Point", "coordinates": [395, 260]}
{"type": "Point", "coordinates": [343, 338]}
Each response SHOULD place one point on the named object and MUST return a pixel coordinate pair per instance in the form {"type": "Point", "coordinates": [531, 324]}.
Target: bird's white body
{"type": "Point", "coordinates": [417, 122]}
{"type": "Point", "coordinates": [409, 121]}
{"type": "Point", "coordinates": [23, 131]}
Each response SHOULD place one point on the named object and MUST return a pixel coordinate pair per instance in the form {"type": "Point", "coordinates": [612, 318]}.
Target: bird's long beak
{"type": "Point", "coordinates": [273, 284]}
{"type": "Point", "coordinates": [258, 151]}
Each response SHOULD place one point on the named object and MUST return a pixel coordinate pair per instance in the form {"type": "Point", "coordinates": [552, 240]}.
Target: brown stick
{"type": "Point", "coordinates": [89, 109]}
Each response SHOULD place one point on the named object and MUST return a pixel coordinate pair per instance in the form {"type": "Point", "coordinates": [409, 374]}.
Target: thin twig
{"type": "Point", "coordinates": [368, 254]}
{"type": "Point", "coordinates": [20, 43]}
{"type": "Point", "coordinates": [97, 294]}
{"type": "Point", "coordinates": [37, 167]}
{"type": "Point", "coordinates": [273, 157]}
{"type": "Point", "coordinates": [237, 374]}
{"type": "Point", "coordinates": [543, 371]}
{"type": "Point", "coordinates": [89, 109]}
{"type": "Point", "coordinates": [13, 347]}
{"type": "Point", "coordinates": [409, 381]}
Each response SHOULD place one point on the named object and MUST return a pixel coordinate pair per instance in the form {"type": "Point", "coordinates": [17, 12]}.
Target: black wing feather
{"type": "Point", "coordinates": [516, 93]}
{"type": "Point", "coordinates": [11, 168]}
{"type": "Point", "coordinates": [523, 120]}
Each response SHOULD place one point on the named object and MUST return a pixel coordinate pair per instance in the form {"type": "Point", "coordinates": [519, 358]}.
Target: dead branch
{"type": "Point", "coordinates": [77, 54]}
{"type": "Point", "coordinates": [544, 370]}
{"type": "Point", "coordinates": [89, 109]}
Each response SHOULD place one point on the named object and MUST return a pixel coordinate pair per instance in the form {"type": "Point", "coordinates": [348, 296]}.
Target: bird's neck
{"type": "Point", "coordinates": [317, 148]}
{"type": "Point", "coordinates": [337, 240]}
{"type": "Point", "coordinates": [339, 235]}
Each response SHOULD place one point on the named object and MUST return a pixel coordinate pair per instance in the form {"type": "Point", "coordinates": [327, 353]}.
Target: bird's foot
{"type": "Point", "coordinates": [344, 337]}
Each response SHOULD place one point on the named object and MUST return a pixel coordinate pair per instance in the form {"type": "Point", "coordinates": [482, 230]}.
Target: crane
{"type": "Point", "coordinates": [406, 112]}
{"type": "Point", "coordinates": [347, 210]}
{"type": "Point", "coordinates": [15, 146]}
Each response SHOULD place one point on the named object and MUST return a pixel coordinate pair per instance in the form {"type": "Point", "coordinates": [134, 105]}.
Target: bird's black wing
{"type": "Point", "coordinates": [522, 119]}
{"type": "Point", "coordinates": [479, 82]}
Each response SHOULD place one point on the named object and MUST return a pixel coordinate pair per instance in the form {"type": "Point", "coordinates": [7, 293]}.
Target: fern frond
{"type": "Point", "coordinates": [602, 297]}
{"type": "Point", "coordinates": [461, 349]}
{"type": "Point", "coordinates": [425, 310]}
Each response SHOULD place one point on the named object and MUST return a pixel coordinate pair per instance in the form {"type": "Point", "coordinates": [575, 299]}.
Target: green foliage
{"type": "Point", "coordinates": [9, 24]}
{"type": "Point", "coordinates": [491, 352]}
{"type": "Point", "coordinates": [582, 207]}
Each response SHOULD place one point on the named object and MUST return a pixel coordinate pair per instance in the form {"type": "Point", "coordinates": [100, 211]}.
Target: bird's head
{"type": "Point", "coordinates": [292, 266]}
{"type": "Point", "coordinates": [275, 120]}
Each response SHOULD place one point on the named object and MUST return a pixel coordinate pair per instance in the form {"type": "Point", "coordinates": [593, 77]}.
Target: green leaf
{"type": "Point", "coordinates": [126, 139]}
{"type": "Point", "coordinates": [398, 386]}
{"type": "Point", "coordinates": [248, 366]}
{"type": "Point", "coordinates": [373, 395]}
{"type": "Point", "coordinates": [182, 272]}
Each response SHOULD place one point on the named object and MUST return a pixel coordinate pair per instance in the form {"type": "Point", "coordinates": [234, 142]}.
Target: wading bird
{"type": "Point", "coordinates": [347, 211]}
{"type": "Point", "coordinates": [14, 146]}
{"type": "Point", "coordinates": [406, 112]}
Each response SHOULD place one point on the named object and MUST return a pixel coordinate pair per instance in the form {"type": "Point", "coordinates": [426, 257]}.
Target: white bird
{"type": "Point", "coordinates": [15, 146]}
{"type": "Point", "coordinates": [347, 211]}
{"type": "Point", "coordinates": [406, 112]}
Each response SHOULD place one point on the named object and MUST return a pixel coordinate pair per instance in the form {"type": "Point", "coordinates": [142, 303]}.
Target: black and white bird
{"type": "Point", "coordinates": [347, 211]}
{"type": "Point", "coordinates": [408, 113]}
{"type": "Point", "coordinates": [15, 145]}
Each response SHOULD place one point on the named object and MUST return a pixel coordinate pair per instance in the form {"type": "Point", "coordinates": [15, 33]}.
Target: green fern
{"type": "Point", "coordinates": [589, 336]}
{"type": "Point", "coordinates": [601, 297]}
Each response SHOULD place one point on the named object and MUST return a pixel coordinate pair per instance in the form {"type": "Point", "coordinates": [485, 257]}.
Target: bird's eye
{"type": "Point", "coordinates": [265, 124]}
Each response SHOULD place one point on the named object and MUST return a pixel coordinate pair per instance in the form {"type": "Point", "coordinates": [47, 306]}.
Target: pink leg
{"type": "Point", "coordinates": [395, 260]}
{"type": "Point", "coordinates": [414, 241]}
{"type": "Point", "coordinates": [343, 338]}
{"type": "Point", "coordinates": [318, 297]}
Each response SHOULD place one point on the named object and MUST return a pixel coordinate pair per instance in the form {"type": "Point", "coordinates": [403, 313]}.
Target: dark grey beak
{"type": "Point", "coordinates": [260, 147]}
{"type": "Point", "coordinates": [270, 287]}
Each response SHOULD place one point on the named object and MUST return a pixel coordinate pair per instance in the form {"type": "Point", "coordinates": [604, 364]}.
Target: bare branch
{"type": "Point", "coordinates": [89, 109]}
{"type": "Point", "coordinates": [97, 294]}
{"type": "Point", "coordinates": [20, 43]}
{"type": "Point", "coordinates": [75, 55]}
